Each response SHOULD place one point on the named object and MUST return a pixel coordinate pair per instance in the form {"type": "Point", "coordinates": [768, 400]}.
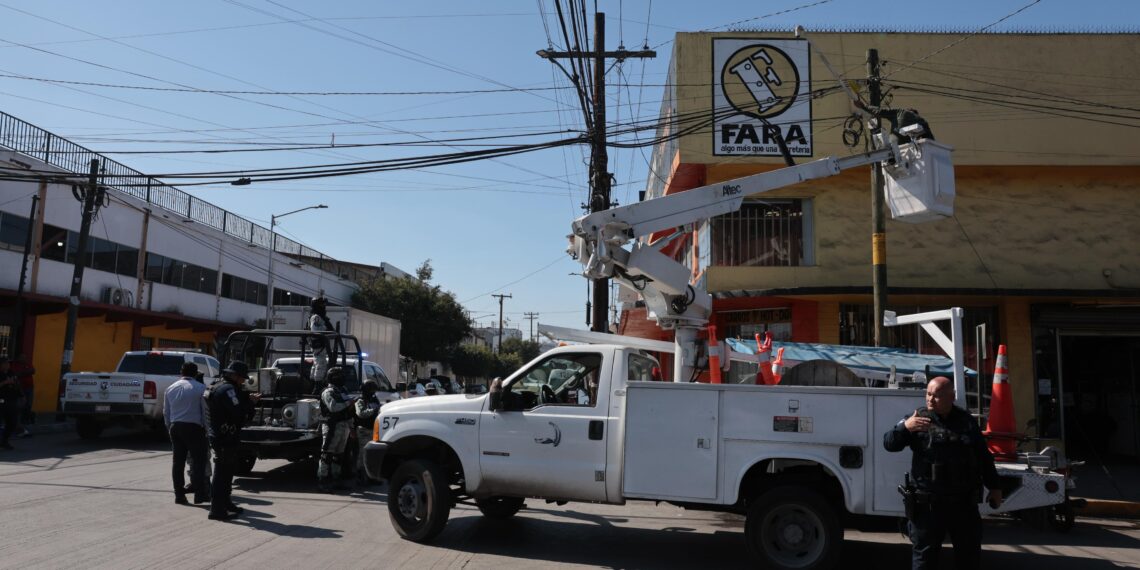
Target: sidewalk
{"type": "Point", "coordinates": [1114, 493]}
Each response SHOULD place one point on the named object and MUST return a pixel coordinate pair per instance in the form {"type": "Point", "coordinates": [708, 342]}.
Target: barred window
{"type": "Point", "coordinates": [773, 233]}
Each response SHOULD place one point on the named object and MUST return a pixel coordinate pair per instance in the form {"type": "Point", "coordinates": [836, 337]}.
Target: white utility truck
{"type": "Point", "coordinates": [588, 423]}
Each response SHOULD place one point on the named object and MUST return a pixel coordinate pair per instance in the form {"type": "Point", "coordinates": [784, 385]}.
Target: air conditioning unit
{"type": "Point", "coordinates": [118, 296]}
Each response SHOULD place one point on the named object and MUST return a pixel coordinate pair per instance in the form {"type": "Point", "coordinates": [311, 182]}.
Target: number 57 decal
{"type": "Point", "coordinates": [389, 422]}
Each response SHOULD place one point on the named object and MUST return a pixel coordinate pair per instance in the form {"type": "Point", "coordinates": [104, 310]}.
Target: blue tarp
{"type": "Point", "coordinates": [857, 357]}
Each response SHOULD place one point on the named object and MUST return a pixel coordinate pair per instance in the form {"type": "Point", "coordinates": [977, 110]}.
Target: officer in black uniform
{"type": "Point", "coordinates": [227, 410]}
{"type": "Point", "coordinates": [950, 462]}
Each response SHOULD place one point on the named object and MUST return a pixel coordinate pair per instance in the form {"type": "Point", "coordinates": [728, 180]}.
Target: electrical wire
{"type": "Point", "coordinates": [962, 39]}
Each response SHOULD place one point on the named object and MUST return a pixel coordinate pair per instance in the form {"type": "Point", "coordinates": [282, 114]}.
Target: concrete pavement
{"type": "Point", "coordinates": [66, 503]}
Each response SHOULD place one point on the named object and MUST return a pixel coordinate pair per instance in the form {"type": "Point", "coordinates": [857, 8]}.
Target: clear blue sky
{"type": "Point", "coordinates": [488, 227]}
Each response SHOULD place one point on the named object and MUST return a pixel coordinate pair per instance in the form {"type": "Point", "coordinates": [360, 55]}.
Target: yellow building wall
{"type": "Point", "coordinates": [828, 322]}
{"type": "Point", "coordinates": [1090, 67]}
{"type": "Point", "coordinates": [98, 347]}
{"type": "Point", "coordinates": [1018, 336]}
{"type": "Point", "coordinates": [161, 332]}
{"type": "Point", "coordinates": [1057, 228]}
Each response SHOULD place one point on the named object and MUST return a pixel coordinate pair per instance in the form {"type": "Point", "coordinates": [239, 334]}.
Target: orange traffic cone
{"type": "Point", "coordinates": [1000, 425]}
{"type": "Point", "coordinates": [764, 375]}
{"type": "Point", "coordinates": [778, 366]}
{"type": "Point", "coordinates": [714, 356]}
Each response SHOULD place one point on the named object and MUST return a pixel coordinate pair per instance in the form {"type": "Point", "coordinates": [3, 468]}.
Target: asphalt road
{"type": "Point", "coordinates": [66, 503]}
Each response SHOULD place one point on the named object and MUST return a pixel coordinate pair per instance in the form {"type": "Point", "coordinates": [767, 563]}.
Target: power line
{"type": "Point", "coordinates": [963, 38]}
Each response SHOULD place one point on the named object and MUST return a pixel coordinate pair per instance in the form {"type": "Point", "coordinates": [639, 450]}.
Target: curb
{"type": "Point", "coordinates": [1111, 509]}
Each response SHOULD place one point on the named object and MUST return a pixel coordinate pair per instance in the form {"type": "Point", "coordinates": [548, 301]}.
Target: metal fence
{"type": "Point", "coordinates": [28, 139]}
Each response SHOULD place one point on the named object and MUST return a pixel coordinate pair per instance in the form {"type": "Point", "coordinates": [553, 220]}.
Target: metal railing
{"type": "Point", "coordinates": [26, 138]}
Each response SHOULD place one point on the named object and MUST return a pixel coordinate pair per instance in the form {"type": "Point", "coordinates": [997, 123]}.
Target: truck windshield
{"type": "Point", "coordinates": [156, 364]}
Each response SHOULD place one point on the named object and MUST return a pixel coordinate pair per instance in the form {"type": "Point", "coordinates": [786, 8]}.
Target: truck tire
{"type": "Point", "coordinates": [791, 526]}
{"type": "Point", "coordinates": [88, 428]}
{"type": "Point", "coordinates": [499, 508]}
{"type": "Point", "coordinates": [419, 500]}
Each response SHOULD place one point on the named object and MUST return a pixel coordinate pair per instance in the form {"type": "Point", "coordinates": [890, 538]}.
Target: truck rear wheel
{"type": "Point", "coordinates": [791, 526]}
{"type": "Point", "coordinates": [499, 507]}
{"type": "Point", "coordinates": [88, 428]}
{"type": "Point", "coordinates": [419, 500]}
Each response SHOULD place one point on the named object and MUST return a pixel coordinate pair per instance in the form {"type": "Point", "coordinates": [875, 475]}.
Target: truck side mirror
{"type": "Point", "coordinates": [401, 386]}
{"type": "Point", "coordinates": [495, 395]}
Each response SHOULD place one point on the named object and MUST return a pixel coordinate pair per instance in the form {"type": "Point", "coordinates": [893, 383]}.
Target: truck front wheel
{"type": "Point", "coordinates": [88, 427]}
{"type": "Point", "coordinates": [419, 500]}
{"type": "Point", "coordinates": [499, 507]}
{"type": "Point", "coordinates": [791, 526]}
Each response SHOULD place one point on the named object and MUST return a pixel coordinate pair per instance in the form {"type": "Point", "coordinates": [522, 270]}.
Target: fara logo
{"type": "Point", "coordinates": [761, 92]}
{"type": "Point", "coordinates": [760, 80]}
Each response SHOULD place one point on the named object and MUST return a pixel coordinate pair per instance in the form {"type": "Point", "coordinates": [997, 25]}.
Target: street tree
{"type": "Point", "coordinates": [472, 361]}
{"type": "Point", "coordinates": [432, 322]}
{"type": "Point", "coordinates": [526, 350]}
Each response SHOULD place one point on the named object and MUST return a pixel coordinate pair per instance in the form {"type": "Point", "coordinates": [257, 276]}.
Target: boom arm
{"type": "Point", "coordinates": [598, 239]}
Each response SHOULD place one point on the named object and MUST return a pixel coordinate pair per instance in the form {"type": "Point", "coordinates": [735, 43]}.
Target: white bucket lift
{"type": "Point", "coordinates": [922, 188]}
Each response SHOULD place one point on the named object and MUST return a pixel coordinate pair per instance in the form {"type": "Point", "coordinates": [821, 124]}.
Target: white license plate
{"type": "Point", "coordinates": [102, 408]}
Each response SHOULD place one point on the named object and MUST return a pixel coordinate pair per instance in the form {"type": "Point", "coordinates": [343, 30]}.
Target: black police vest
{"type": "Point", "coordinates": [222, 415]}
{"type": "Point", "coordinates": [945, 458]}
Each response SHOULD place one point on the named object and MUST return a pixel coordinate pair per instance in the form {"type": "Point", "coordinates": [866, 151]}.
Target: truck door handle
{"type": "Point", "coordinates": [596, 429]}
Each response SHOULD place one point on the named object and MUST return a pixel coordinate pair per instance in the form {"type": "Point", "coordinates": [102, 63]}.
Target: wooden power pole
{"type": "Point", "coordinates": [599, 159]}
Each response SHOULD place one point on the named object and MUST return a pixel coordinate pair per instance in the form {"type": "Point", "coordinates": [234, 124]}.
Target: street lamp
{"type": "Point", "coordinates": [272, 249]}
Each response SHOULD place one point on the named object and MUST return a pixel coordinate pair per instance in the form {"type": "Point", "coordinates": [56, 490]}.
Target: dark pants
{"type": "Point", "coordinates": [189, 439]}
{"type": "Point", "coordinates": [222, 484]}
{"type": "Point", "coordinates": [10, 413]}
{"type": "Point", "coordinates": [27, 416]}
{"type": "Point", "coordinates": [931, 524]}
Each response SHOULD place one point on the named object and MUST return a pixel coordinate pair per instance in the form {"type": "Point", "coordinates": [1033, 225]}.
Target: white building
{"type": "Point", "coordinates": [162, 268]}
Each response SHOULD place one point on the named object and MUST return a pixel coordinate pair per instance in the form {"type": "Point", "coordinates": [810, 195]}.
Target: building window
{"type": "Point", "coordinates": [13, 231]}
{"type": "Point", "coordinates": [54, 243]}
{"type": "Point", "coordinates": [209, 281]}
{"type": "Point", "coordinates": [102, 254]}
{"type": "Point", "coordinates": [127, 261]}
{"type": "Point", "coordinates": [774, 233]}
{"type": "Point", "coordinates": [244, 290]}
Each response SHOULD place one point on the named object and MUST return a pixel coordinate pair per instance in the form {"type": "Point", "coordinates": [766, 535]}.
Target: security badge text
{"type": "Point", "coordinates": [792, 424]}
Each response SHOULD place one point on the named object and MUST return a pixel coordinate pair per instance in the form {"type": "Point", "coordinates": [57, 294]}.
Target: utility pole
{"type": "Point", "coordinates": [18, 338]}
{"type": "Point", "coordinates": [599, 159]}
{"type": "Point", "coordinates": [878, 219]}
{"type": "Point", "coordinates": [501, 297]}
{"type": "Point", "coordinates": [531, 317]}
{"type": "Point", "coordinates": [92, 198]}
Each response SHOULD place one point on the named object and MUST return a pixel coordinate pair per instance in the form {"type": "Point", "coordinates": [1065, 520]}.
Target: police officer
{"type": "Point", "coordinates": [319, 321]}
{"type": "Point", "coordinates": [337, 409]}
{"type": "Point", "coordinates": [227, 410]}
{"type": "Point", "coordinates": [367, 408]}
{"type": "Point", "coordinates": [949, 463]}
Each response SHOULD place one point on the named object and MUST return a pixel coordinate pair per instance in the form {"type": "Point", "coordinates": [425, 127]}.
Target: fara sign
{"type": "Point", "coordinates": [761, 88]}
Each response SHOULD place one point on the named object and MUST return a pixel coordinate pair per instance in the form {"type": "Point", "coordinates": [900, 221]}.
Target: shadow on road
{"type": "Point", "coordinates": [584, 538]}
{"type": "Point", "coordinates": [261, 521]}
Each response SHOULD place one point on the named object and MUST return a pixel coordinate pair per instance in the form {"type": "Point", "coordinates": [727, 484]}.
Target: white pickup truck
{"type": "Point", "coordinates": [130, 395]}
{"type": "Point", "coordinates": [586, 423]}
